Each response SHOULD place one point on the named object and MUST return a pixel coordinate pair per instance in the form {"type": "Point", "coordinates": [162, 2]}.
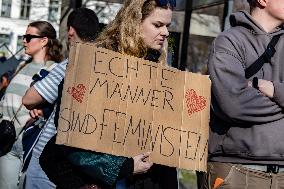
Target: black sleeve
{"type": "Point", "coordinates": [58, 169]}
{"type": "Point", "coordinates": [127, 168]}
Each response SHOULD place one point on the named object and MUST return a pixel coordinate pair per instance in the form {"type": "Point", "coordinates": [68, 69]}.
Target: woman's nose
{"type": "Point", "coordinates": [165, 31]}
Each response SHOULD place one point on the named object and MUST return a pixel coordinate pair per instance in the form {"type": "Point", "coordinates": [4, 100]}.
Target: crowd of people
{"type": "Point", "coordinates": [246, 70]}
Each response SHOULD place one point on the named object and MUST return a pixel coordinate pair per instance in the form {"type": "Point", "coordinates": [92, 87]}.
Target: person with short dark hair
{"type": "Point", "coordinates": [83, 26]}
{"type": "Point", "coordinates": [247, 123]}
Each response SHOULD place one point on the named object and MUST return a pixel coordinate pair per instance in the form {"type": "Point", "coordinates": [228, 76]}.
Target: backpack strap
{"type": "Point", "coordinates": [21, 65]}
{"type": "Point", "coordinates": [58, 103]}
{"type": "Point", "coordinates": [264, 58]}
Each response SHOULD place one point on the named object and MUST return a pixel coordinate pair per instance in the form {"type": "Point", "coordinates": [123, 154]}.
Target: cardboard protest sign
{"type": "Point", "coordinates": [125, 106]}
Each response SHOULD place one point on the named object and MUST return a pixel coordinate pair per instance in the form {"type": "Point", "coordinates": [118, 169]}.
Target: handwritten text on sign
{"type": "Point", "coordinates": [124, 106]}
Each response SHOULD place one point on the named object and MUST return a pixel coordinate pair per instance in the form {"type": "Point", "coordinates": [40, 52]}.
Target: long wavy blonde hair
{"type": "Point", "coordinates": [123, 33]}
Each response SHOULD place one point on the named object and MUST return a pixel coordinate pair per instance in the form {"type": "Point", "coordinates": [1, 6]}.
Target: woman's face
{"type": "Point", "coordinates": [154, 28]}
{"type": "Point", "coordinates": [33, 45]}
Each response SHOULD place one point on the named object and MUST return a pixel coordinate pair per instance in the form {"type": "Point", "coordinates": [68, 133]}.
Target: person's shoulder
{"type": "Point", "coordinates": [231, 39]}
{"type": "Point", "coordinates": [61, 66]}
{"type": "Point", "coordinates": [231, 34]}
{"type": "Point", "coordinates": [64, 62]}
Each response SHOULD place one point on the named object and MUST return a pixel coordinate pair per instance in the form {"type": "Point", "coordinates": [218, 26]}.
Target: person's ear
{"type": "Point", "coordinates": [5, 81]}
{"type": "Point", "coordinates": [71, 32]}
{"type": "Point", "coordinates": [44, 42]}
{"type": "Point", "coordinates": [262, 3]}
{"type": "Point", "coordinates": [72, 35]}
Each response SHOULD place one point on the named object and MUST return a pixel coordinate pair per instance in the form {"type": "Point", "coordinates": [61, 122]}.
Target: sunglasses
{"type": "Point", "coordinates": [29, 37]}
{"type": "Point", "coordinates": [163, 3]}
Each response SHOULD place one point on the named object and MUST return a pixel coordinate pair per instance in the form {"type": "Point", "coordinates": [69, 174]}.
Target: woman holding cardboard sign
{"type": "Point", "coordinates": [140, 30]}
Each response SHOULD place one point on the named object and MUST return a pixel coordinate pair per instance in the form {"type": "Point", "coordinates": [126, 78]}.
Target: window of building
{"type": "Point", "coordinates": [53, 10]}
{"type": "Point", "coordinates": [25, 9]}
{"type": "Point", "coordinates": [207, 21]}
{"type": "Point", "coordinates": [4, 39]}
{"type": "Point", "coordinates": [19, 43]}
{"type": "Point", "coordinates": [6, 8]}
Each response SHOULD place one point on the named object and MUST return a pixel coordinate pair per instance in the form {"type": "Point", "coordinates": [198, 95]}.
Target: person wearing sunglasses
{"type": "Point", "coordinates": [139, 29]}
{"type": "Point", "coordinates": [41, 45]}
{"type": "Point", "coordinates": [29, 37]}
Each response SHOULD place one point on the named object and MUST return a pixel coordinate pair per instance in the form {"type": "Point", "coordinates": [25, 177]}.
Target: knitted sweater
{"type": "Point", "coordinates": [16, 90]}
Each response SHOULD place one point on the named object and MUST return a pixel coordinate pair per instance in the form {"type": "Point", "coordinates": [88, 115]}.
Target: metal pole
{"type": "Point", "coordinates": [65, 10]}
{"type": "Point", "coordinates": [228, 11]}
{"type": "Point", "coordinates": [75, 4]}
{"type": "Point", "coordinates": [185, 37]}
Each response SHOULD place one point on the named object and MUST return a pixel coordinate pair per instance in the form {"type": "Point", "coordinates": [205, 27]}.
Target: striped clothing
{"type": "Point", "coordinates": [48, 89]}
{"type": "Point", "coordinates": [16, 90]}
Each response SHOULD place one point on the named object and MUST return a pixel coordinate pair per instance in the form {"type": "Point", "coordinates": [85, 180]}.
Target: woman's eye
{"type": "Point", "coordinates": [157, 25]}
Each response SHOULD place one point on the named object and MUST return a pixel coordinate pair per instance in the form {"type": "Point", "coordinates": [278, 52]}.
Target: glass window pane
{"type": "Point", "coordinates": [25, 9]}
{"type": "Point", "coordinates": [53, 10]}
{"type": "Point", "coordinates": [6, 8]}
{"type": "Point", "coordinates": [4, 38]}
{"type": "Point", "coordinates": [19, 43]}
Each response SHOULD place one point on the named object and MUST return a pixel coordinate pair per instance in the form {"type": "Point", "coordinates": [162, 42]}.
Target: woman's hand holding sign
{"type": "Point", "coordinates": [141, 164]}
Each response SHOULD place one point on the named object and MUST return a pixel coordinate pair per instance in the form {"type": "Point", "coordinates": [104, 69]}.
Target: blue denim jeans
{"type": "Point", "coordinates": [36, 177]}
{"type": "Point", "coordinates": [10, 167]}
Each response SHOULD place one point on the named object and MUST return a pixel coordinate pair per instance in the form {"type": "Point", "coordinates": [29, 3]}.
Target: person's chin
{"type": "Point", "coordinates": [157, 47]}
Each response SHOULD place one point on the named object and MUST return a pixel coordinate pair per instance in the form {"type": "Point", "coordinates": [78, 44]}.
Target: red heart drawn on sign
{"type": "Point", "coordinates": [77, 92]}
{"type": "Point", "coordinates": [194, 102]}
